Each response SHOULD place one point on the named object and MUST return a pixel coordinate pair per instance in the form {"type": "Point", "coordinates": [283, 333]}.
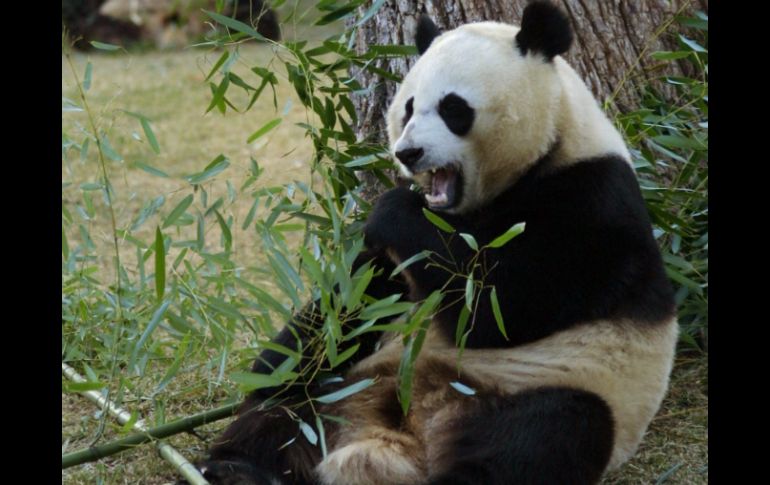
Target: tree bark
{"type": "Point", "coordinates": [613, 41]}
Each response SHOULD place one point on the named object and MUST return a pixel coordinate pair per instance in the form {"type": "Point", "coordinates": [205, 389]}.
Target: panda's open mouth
{"type": "Point", "coordinates": [441, 186]}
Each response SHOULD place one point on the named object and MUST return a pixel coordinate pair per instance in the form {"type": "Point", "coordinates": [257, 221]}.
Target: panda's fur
{"type": "Point", "coordinates": [497, 129]}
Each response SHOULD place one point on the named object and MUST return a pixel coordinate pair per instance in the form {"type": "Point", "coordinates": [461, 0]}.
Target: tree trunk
{"type": "Point", "coordinates": [613, 41]}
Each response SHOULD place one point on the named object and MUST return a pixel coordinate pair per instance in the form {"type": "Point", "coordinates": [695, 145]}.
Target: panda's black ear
{"type": "Point", "coordinates": [544, 29]}
{"type": "Point", "coordinates": [426, 32]}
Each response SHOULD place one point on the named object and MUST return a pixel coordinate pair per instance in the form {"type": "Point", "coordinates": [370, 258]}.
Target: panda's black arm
{"type": "Point", "coordinates": [303, 327]}
{"type": "Point", "coordinates": [399, 226]}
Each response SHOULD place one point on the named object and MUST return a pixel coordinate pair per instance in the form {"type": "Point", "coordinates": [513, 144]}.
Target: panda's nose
{"type": "Point", "coordinates": [410, 156]}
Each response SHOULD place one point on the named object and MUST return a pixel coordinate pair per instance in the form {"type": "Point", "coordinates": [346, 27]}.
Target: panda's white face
{"type": "Point", "coordinates": [472, 115]}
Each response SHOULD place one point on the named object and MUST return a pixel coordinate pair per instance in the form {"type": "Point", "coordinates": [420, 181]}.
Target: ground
{"type": "Point", "coordinates": [169, 89]}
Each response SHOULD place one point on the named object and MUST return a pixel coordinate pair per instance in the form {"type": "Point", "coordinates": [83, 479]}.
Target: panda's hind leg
{"type": "Point", "coordinates": [262, 447]}
{"type": "Point", "coordinates": [544, 436]}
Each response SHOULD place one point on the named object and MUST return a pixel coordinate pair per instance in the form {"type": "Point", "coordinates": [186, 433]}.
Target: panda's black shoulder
{"type": "Point", "coordinates": [587, 252]}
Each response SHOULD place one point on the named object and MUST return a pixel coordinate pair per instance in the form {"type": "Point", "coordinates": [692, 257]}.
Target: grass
{"type": "Point", "coordinates": [169, 89]}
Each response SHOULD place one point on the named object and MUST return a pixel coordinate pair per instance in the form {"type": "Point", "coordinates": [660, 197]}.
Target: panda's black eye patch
{"type": "Point", "coordinates": [456, 113]}
{"type": "Point", "coordinates": [409, 110]}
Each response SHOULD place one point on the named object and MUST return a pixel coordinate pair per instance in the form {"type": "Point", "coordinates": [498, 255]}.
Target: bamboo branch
{"type": "Point", "coordinates": [143, 434]}
{"type": "Point", "coordinates": [163, 431]}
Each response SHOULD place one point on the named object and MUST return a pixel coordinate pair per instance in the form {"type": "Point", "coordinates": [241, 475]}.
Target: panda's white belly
{"type": "Point", "coordinates": [626, 365]}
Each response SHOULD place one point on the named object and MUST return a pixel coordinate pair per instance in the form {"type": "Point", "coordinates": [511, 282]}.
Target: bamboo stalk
{"type": "Point", "coordinates": [163, 431]}
{"type": "Point", "coordinates": [168, 453]}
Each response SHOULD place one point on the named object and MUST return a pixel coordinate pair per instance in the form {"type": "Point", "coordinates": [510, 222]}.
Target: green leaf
{"type": "Point", "coordinates": [108, 150]}
{"type": "Point", "coordinates": [438, 221]}
{"type": "Point", "coordinates": [87, 76]}
{"type": "Point", "coordinates": [83, 386]}
{"type": "Point", "coordinates": [692, 44]}
{"type": "Point", "coordinates": [393, 50]}
{"type": "Point", "coordinates": [338, 14]}
{"type": "Point", "coordinates": [370, 13]}
{"type": "Point", "coordinates": [362, 161]}
{"type": "Point", "coordinates": [385, 308]}
{"type": "Point", "coordinates": [218, 64]}
{"type": "Point", "coordinates": [406, 367]}
{"type": "Point", "coordinates": [344, 356]}
{"type": "Point", "coordinates": [84, 148]}
{"type": "Point", "coordinates": [226, 234]}
{"type": "Point", "coordinates": [150, 169]}
{"type": "Point", "coordinates": [497, 312]}
{"type": "Point", "coordinates": [462, 322]}
{"type": "Point", "coordinates": [462, 388]}
{"type": "Point", "coordinates": [65, 249]}
{"type": "Point", "coordinates": [265, 128]}
{"type": "Point", "coordinates": [160, 264]}
{"type": "Point", "coordinates": [154, 321]}
{"type": "Point", "coordinates": [250, 381]}
{"type": "Point", "coordinates": [354, 298]}
{"type": "Point", "coordinates": [178, 211]}
{"type": "Point", "coordinates": [669, 55]}
{"type": "Point", "coordinates": [345, 391]}
{"type": "Point", "coordinates": [511, 233]}
{"type": "Point", "coordinates": [673, 141]}
{"type": "Point", "coordinates": [322, 435]}
{"type": "Point", "coordinates": [469, 287]}
{"type": "Point", "coordinates": [470, 240]}
{"type": "Point", "coordinates": [308, 432]}
{"type": "Point", "coordinates": [150, 135]}
{"type": "Point", "coordinates": [104, 46]}
{"type": "Point", "coordinates": [219, 93]}
{"type": "Point", "coordinates": [235, 25]}
{"type": "Point", "coordinates": [215, 167]}
{"type": "Point", "coordinates": [404, 264]}
{"type": "Point", "coordinates": [174, 367]}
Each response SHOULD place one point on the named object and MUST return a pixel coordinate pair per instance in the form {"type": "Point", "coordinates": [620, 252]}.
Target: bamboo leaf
{"type": "Point", "coordinates": [409, 261]}
{"type": "Point", "coordinates": [462, 388]}
{"type": "Point", "coordinates": [150, 135]}
{"type": "Point", "coordinates": [354, 298]}
{"type": "Point", "coordinates": [498, 314]}
{"type": "Point", "coordinates": [108, 150]}
{"type": "Point", "coordinates": [154, 321]}
{"type": "Point", "coordinates": [174, 367]}
{"type": "Point", "coordinates": [83, 386]}
{"type": "Point", "coordinates": [344, 356]}
{"type": "Point", "coordinates": [218, 64]}
{"type": "Point", "coordinates": [370, 13]}
{"type": "Point", "coordinates": [438, 221]}
{"type": "Point", "coordinates": [470, 240]}
{"type": "Point", "coordinates": [322, 435]}
{"type": "Point", "coordinates": [250, 381]}
{"type": "Point", "coordinates": [226, 234]}
{"type": "Point", "coordinates": [469, 287]}
{"type": "Point", "coordinates": [215, 167]}
{"type": "Point", "coordinates": [219, 93]}
{"type": "Point", "coordinates": [462, 322]}
{"type": "Point", "coordinates": [104, 46]}
{"type": "Point", "coordinates": [178, 211]}
{"type": "Point", "coordinates": [308, 432]}
{"type": "Point", "coordinates": [264, 129]}
{"type": "Point", "coordinates": [150, 169]}
{"type": "Point", "coordinates": [235, 25]}
{"type": "Point", "coordinates": [511, 233]}
{"type": "Point", "coordinates": [406, 369]}
{"type": "Point", "coordinates": [160, 265]}
{"type": "Point", "coordinates": [345, 391]}
{"type": "Point", "coordinates": [87, 76]}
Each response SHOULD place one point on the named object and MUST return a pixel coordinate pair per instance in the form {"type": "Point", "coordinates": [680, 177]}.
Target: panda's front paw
{"type": "Point", "coordinates": [392, 218]}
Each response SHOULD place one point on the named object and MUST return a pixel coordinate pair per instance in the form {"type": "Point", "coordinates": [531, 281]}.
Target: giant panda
{"type": "Point", "coordinates": [494, 128]}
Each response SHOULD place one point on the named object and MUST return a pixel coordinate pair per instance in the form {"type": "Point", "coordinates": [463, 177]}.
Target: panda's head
{"type": "Point", "coordinates": [480, 106]}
